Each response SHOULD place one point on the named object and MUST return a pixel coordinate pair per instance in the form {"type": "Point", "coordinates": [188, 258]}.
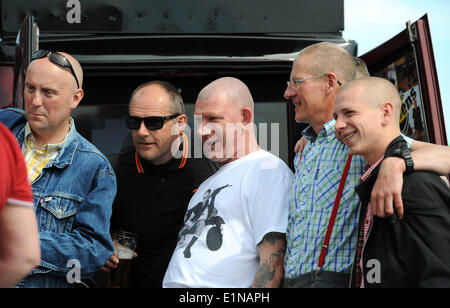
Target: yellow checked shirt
{"type": "Point", "coordinates": [36, 159]}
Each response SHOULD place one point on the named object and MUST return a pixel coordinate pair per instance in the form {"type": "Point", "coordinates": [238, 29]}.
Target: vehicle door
{"type": "Point", "coordinates": [407, 60]}
{"type": "Point", "coordinates": [26, 45]}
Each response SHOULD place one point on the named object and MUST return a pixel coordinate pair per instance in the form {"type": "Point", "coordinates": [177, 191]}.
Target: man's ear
{"type": "Point", "coordinates": [77, 97]}
{"type": "Point", "coordinates": [387, 110]}
{"type": "Point", "coordinates": [181, 122]}
{"type": "Point", "coordinates": [246, 115]}
{"type": "Point", "coordinates": [332, 82]}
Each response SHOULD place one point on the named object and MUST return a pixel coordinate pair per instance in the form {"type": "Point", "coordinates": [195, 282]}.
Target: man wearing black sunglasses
{"type": "Point", "coordinates": [154, 184]}
{"type": "Point", "coordinates": [73, 183]}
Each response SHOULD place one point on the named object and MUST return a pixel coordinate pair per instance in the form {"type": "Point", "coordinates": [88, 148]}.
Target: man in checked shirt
{"type": "Point", "coordinates": [316, 77]}
{"type": "Point", "coordinates": [414, 251]}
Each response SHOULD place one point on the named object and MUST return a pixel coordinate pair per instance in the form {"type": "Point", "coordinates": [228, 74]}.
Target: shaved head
{"type": "Point", "coordinates": [76, 67]}
{"type": "Point", "coordinates": [225, 107]}
{"type": "Point", "coordinates": [50, 95]}
{"type": "Point", "coordinates": [376, 91]}
{"type": "Point", "coordinates": [230, 91]}
{"type": "Point", "coordinates": [367, 113]}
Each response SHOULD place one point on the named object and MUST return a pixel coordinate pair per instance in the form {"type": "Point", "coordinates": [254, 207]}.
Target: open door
{"type": "Point", "coordinates": [407, 60]}
{"type": "Point", "coordinates": [26, 45]}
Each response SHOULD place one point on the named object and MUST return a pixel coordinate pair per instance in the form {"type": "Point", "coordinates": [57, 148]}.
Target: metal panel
{"type": "Point", "coordinates": [426, 54]}
{"type": "Point", "coordinates": [178, 16]}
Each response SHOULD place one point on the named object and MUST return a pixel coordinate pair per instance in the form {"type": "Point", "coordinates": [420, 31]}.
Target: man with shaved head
{"type": "Point", "coordinates": [415, 251]}
{"type": "Point", "coordinates": [73, 183]}
{"type": "Point", "coordinates": [322, 229]}
{"type": "Point", "coordinates": [234, 229]}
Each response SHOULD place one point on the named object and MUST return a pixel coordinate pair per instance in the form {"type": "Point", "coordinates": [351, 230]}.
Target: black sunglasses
{"type": "Point", "coordinates": [152, 123]}
{"type": "Point", "coordinates": [56, 58]}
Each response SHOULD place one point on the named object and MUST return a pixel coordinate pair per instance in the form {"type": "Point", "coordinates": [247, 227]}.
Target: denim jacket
{"type": "Point", "coordinates": [73, 199]}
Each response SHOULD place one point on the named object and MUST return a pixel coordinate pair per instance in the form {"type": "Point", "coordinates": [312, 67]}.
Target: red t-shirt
{"type": "Point", "coordinates": [14, 185]}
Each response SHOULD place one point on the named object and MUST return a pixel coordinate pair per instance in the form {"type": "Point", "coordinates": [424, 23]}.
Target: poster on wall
{"type": "Point", "coordinates": [403, 74]}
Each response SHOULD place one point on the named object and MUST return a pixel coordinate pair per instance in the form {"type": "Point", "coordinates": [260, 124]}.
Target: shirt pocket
{"type": "Point", "coordinates": [326, 187]}
{"type": "Point", "coordinates": [57, 213]}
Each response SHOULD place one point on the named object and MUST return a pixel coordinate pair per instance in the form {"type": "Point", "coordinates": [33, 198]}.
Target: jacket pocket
{"type": "Point", "coordinates": [58, 213]}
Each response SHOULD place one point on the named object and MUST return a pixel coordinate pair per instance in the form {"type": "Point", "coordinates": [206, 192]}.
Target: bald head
{"type": "Point", "coordinates": [78, 71]}
{"type": "Point", "coordinates": [50, 95]}
{"type": "Point", "coordinates": [76, 67]}
{"type": "Point", "coordinates": [230, 91]}
{"type": "Point", "coordinates": [225, 107]}
{"type": "Point", "coordinates": [376, 91]}
{"type": "Point", "coordinates": [175, 100]}
{"type": "Point", "coordinates": [367, 113]}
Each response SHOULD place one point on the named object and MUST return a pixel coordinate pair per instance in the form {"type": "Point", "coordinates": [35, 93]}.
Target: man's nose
{"type": "Point", "coordinates": [201, 129]}
{"type": "Point", "coordinates": [143, 130]}
{"type": "Point", "coordinates": [340, 124]}
{"type": "Point", "coordinates": [36, 99]}
{"type": "Point", "coordinates": [289, 92]}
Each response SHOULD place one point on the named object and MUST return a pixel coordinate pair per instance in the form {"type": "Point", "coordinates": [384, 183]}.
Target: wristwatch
{"type": "Point", "coordinates": [406, 155]}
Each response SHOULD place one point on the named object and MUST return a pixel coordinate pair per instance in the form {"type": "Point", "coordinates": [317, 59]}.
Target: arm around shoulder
{"type": "Point", "coordinates": [431, 157]}
{"type": "Point", "coordinates": [386, 193]}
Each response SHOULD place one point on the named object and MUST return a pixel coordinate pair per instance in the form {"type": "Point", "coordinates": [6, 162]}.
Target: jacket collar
{"type": "Point", "coordinates": [67, 153]}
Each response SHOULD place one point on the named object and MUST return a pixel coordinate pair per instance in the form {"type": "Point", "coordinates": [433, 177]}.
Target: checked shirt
{"type": "Point", "coordinates": [313, 192]}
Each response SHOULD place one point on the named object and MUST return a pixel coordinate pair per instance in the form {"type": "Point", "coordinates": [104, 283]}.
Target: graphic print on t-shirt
{"type": "Point", "coordinates": [196, 220]}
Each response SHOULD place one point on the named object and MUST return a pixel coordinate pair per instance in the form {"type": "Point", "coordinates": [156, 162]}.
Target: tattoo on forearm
{"type": "Point", "coordinates": [266, 271]}
{"type": "Point", "coordinates": [272, 238]}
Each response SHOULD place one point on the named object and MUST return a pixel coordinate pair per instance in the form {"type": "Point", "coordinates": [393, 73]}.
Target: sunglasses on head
{"type": "Point", "coordinates": [56, 58]}
{"type": "Point", "coordinates": [152, 123]}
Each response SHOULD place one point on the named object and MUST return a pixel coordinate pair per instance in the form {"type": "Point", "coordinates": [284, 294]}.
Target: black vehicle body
{"type": "Point", "coordinates": [188, 43]}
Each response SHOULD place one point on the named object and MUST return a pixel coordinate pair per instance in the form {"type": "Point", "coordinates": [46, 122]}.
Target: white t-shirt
{"type": "Point", "coordinates": [226, 219]}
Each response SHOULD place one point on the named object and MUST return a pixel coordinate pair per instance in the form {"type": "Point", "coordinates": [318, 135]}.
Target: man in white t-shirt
{"type": "Point", "coordinates": [235, 225]}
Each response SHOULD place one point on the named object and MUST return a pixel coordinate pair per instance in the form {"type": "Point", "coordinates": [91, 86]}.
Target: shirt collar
{"type": "Point", "coordinates": [327, 132]}
{"type": "Point", "coordinates": [369, 169]}
{"type": "Point", "coordinates": [30, 141]}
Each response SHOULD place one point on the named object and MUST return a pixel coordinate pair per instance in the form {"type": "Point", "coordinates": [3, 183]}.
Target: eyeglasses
{"type": "Point", "coordinates": [56, 58]}
{"type": "Point", "coordinates": [152, 123]}
{"type": "Point", "coordinates": [295, 83]}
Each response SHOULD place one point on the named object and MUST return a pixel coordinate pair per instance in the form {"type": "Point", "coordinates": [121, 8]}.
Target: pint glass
{"type": "Point", "coordinates": [124, 247]}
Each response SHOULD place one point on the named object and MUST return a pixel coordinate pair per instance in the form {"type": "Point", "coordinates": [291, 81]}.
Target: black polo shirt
{"type": "Point", "coordinates": [152, 205]}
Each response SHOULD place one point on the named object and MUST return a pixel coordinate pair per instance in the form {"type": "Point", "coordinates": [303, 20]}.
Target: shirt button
{"type": "Point", "coordinates": [59, 212]}
{"type": "Point", "coordinates": [163, 180]}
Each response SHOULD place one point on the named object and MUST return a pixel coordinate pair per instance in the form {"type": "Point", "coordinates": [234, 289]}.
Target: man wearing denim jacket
{"type": "Point", "coordinates": [73, 183]}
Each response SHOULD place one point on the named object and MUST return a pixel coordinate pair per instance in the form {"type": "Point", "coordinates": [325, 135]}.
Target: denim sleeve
{"type": "Point", "coordinates": [13, 118]}
{"type": "Point", "coordinates": [89, 243]}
